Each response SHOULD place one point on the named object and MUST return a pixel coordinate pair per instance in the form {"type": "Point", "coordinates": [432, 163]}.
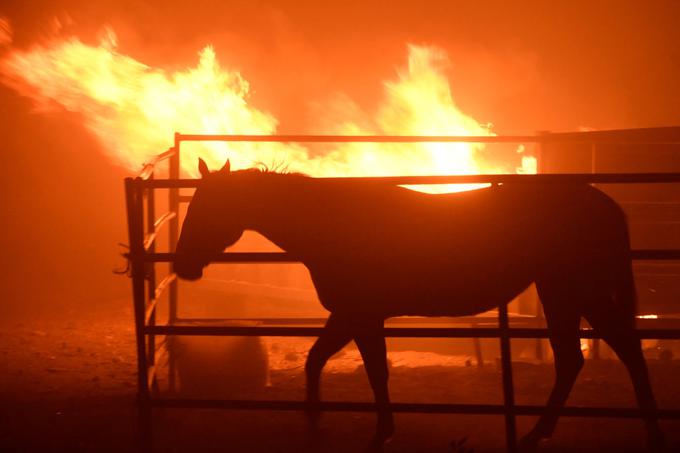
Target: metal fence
{"type": "Point", "coordinates": [144, 226]}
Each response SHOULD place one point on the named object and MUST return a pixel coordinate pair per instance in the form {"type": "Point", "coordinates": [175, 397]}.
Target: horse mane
{"type": "Point", "coordinates": [277, 168]}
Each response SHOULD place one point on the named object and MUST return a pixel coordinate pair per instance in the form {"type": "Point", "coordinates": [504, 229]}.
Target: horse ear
{"type": "Point", "coordinates": [203, 168]}
{"type": "Point", "coordinates": [227, 167]}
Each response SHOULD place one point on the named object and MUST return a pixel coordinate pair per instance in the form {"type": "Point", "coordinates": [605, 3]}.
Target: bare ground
{"type": "Point", "coordinates": [69, 385]}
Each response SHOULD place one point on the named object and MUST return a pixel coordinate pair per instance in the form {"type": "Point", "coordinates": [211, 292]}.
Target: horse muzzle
{"type": "Point", "coordinates": [188, 270]}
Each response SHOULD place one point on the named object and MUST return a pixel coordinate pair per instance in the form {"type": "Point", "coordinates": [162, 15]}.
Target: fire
{"type": "Point", "coordinates": [134, 109]}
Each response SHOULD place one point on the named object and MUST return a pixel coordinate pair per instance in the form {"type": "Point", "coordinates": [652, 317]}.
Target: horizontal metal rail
{"type": "Point", "coordinates": [555, 178]}
{"type": "Point", "coordinates": [490, 317]}
{"type": "Point", "coordinates": [661, 135]}
{"type": "Point", "coordinates": [396, 332]}
{"type": "Point", "coordinates": [285, 257]}
{"type": "Point", "coordinates": [361, 138]}
{"type": "Point", "coordinates": [486, 318]}
{"type": "Point", "coordinates": [231, 257]}
{"type": "Point", "coordinates": [421, 408]}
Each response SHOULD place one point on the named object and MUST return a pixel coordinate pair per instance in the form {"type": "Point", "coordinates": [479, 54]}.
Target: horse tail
{"type": "Point", "coordinates": [625, 294]}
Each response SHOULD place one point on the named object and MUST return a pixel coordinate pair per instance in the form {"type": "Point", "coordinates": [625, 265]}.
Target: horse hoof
{"type": "Point", "coordinates": [377, 444]}
{"type": "Point", "coordinates": [313, 420]}
{"type": "Point", "coordinates": [315, 435]}
{"type": "Point", "coordinates": [657, 443]}
{"type": "Point", "coordinates": [384, 431]}
{"type": "Point", "coordinates": [458, 446]}
{"type": "Point", "coordinates": [531, 443]}
{"type": "Point", "coordinates": [382, 436]}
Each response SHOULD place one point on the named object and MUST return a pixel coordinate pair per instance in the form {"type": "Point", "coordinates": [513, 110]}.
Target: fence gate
{"type": "Point", "coordinates": [150, 285]}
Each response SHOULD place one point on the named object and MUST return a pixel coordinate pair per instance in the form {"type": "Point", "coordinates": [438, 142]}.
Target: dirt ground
{"type": "Point", "coordinates": [69, 384]}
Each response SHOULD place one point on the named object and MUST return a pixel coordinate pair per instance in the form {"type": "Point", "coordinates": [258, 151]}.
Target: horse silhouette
{"type": "Point", "coordinates": [375, 251]}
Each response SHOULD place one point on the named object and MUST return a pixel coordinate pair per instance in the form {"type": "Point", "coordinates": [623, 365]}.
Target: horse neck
{"type": "Point", "coordinates": [281, 210]}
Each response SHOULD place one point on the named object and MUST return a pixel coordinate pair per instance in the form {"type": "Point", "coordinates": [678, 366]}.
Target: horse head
{"type": "Point", "coordinates": [211, 223]}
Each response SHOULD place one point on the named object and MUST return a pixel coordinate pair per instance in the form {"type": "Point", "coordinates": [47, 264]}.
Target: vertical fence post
{"type": "Point", "coordinates": [135, 211]}
{"type": "Point", "coordinates": [151, 271]}
{"type": "Point", "coordinates": [508, 388]}
{"type": "Point", "coordinates": [538, 308]}
{"type": "Point", "coordinates": [173, 234]}
{"type": "Point", "coordinates": [173, 202]}
{"type": "Point", "coordinates": [594, 353]}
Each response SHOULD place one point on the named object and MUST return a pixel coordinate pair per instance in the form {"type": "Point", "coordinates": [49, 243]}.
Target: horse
{"type": "Point", "coordinates": [377, 251]}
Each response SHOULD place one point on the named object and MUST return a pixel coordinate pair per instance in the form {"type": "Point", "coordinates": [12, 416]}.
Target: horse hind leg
{"type": "Point", "coordinates": [563, 319]}
{"type": "Point", "coordinates": [614, 322]}
{"type": "Point", "coordinates": [371, 343]}
{"type": "Point", "coordinates": [333, 338]}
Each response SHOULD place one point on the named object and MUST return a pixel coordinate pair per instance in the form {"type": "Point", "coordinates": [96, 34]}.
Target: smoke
{"type": "Point", "coordinates": [5, 32]}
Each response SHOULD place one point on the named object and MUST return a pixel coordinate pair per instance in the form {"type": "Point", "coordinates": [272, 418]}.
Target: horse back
{"type": "Point", "coordinates": [383, 224]}
{"type": "Point", "coordinates": [403, 252]}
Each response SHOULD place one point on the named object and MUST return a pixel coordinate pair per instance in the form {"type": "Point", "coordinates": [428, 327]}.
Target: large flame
{"type": "Point", "coordinates": [134, 109]}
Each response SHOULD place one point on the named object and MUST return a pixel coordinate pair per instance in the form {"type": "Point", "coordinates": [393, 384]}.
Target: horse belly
{"type": "Point", "coordinates": [455, 297]}
{"type": "Point", "coordinates": [408, 291]}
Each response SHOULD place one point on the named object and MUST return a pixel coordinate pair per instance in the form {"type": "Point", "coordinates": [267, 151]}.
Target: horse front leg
{"type": "Point", "coordinates": [371, 342]}
{"type": "Point", "coordinates": [563, 321]}
{"type": "Point", "coordinates": [335, 335]}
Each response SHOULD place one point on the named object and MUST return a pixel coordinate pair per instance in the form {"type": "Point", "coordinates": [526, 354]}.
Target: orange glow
{"type": "Point", "coordinates": [134, 109]}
